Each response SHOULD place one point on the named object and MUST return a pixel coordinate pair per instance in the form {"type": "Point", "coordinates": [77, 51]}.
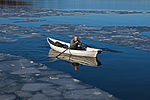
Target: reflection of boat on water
{"type": "Point", "coordinates": [75, 59]}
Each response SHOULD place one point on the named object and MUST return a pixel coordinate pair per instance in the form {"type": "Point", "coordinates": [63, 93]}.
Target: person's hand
{"type": "Point", "coordinates": [76, 42]}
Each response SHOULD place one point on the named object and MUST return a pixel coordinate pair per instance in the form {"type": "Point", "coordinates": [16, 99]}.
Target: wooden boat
{"type": "Point", "coordinates": [89, 52]}
{"type": "Point", "coordinates": [89, 61]}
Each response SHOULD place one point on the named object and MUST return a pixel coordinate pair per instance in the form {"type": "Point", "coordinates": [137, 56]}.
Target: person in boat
{"type": "Point", "coordinates": [75, 43]}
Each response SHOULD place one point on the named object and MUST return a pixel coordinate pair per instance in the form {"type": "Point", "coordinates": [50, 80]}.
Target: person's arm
{"type": "Point", "coordinates": [80, 42]}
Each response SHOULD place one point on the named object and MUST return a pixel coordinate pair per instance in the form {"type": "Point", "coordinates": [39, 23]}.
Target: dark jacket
{"type": "Point", "coordinates": [73, 44]}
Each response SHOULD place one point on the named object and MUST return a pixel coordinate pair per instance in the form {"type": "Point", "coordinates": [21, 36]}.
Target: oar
{"type": "Point", "coordinates": [62, 52]}
{"type": "Point", "coordinates": [86, 44]}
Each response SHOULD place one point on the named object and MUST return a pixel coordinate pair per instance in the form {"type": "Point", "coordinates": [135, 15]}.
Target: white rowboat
{"type": "Point", "coordinates": [89, 52]}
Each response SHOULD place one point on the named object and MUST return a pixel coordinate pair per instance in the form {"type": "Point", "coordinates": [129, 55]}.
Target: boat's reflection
{"type": "Point", "coordinates": [75, 61]}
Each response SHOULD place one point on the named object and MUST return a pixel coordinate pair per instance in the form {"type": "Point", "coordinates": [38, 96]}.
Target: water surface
{"type": "Point", "coordinates": [124, 74]}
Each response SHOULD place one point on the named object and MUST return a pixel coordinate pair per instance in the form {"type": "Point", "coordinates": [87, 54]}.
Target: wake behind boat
{"type": "Point", "coordinates": [88, 52]}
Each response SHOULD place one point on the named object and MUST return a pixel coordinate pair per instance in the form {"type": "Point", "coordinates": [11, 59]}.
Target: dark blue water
{"type": "Point", "coordinates": [146, 33]}
{"type": "Point", "coordinates": [125, 75]}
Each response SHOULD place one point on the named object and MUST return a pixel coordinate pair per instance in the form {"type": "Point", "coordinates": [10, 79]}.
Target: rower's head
{"type": "Point", "coordinates": [75, 37]}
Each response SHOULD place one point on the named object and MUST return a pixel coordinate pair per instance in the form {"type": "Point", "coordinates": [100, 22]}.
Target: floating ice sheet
{"type": "Point", "coordinates": [130, 36]}
{"type": "Point", "coordinates": [18, 31]}
{"type": "Point", "coordinates": [23, 84]}
{"type": "Point", "coordinates": [5, 39]}
{"type": "Point", "coordinates": [39, 12]}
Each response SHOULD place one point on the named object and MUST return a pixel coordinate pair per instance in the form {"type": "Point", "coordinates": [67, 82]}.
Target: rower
{"type": "Point", "coordinates": [75, 43]}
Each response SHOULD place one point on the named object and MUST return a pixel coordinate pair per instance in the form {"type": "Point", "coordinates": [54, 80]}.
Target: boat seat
{"type": "Point", "coordinates": [65, 46]}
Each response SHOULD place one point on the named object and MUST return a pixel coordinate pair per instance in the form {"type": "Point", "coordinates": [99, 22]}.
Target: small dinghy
{"type": "Point", "coordinates": [88, 52]}
{"type": "Point", "coordinates": [89, 61]}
